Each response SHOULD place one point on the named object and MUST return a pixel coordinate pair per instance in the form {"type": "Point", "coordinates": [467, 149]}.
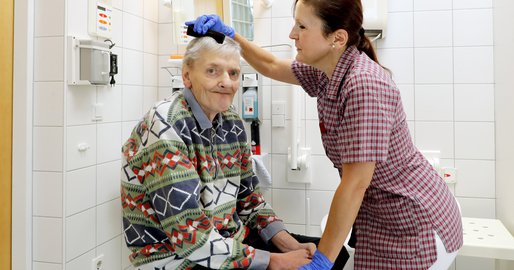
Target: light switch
{"type": "Point", "coordinates": [278, 108]}
{"type": "Point", "coordinates": [98, 112]}
{"type": "Point", "coordinates": [278, 120]}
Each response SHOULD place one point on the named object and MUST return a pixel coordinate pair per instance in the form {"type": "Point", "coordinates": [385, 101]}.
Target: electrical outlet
{"type": "Point", "coordinates": [97, 263]}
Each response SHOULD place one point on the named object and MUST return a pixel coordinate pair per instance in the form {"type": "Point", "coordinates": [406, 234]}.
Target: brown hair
{"type": "Point", "coordinates": [347, 15]}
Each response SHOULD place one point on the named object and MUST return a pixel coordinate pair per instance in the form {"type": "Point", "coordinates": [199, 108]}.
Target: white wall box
{"type": "Point", "coordinates": [89, 62]}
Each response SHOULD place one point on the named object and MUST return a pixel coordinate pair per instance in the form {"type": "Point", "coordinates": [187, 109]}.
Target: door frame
{"type": "Point", "coordinates": [21, 247]}
{"type": "Point", "coordinates": [6, 92]}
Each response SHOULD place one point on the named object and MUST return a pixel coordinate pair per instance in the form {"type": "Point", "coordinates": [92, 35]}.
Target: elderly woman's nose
{"type": "Point", "coordinates": [225, 80]}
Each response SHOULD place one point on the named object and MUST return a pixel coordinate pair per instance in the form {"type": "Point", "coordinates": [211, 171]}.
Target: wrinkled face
{"type": "Point", "coordinates": [307, 32]}
{"type": "Point", "coordinates": [214, 80]}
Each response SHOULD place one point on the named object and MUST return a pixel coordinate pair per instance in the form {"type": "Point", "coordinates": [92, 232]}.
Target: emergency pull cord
{"type": "Point", "coordinates": [113, 62]}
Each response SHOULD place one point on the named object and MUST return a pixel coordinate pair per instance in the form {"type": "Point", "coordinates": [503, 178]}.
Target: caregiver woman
{"type": "Point", "coordinates": [405, 216]}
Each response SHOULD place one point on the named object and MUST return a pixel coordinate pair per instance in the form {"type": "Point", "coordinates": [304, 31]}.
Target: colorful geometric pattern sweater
{"type": "Point", "coordinates": [188, 192]}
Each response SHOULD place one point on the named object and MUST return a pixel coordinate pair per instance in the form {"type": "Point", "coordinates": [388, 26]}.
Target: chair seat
{"type": "Point", "coordinates": [487, 238]}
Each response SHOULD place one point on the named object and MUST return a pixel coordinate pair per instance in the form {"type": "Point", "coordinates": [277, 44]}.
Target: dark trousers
{"type": "Point", "coordinates": [254, 240]}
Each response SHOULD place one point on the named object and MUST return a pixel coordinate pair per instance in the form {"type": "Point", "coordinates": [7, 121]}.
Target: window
{"type": "Point", "coordinates": [242, 17]}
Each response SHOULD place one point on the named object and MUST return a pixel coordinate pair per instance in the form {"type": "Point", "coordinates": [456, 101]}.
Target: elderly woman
{"type": "Point", "coordinates": [190, 198]}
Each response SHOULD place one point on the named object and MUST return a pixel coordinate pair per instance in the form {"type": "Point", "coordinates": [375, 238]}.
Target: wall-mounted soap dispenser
{"type": "Point", "coordinates": [250, 96]}
{"type": "Point", "coordinates": [250, 100]}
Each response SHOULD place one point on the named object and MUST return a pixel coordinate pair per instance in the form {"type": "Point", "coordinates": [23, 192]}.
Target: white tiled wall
{"type": "Point", "coordinates": [504, 110]}
{"type": "Point", "coordinates": [440, 53]}
{"type": "Point", "coordinates": [77, 208]}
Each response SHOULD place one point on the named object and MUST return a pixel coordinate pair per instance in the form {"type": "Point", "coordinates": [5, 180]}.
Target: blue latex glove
{"type": "Point", "coordinates": [212, 22]}
{"type": "Point", "coordinates": [319, 262]}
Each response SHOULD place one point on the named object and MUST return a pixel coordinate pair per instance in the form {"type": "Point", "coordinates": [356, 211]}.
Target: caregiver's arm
{"type": "Point", "coordinates": [265, 62]}
{"type": "Point", "coordinates": [345, 207]}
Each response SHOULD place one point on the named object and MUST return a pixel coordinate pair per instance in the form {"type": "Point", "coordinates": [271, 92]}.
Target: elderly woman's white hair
{"type": "Point", "coordinates": [207, 44]}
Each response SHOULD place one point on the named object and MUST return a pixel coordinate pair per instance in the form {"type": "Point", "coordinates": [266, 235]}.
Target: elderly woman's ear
{"type": "Point", "coordinates": [185, 78]}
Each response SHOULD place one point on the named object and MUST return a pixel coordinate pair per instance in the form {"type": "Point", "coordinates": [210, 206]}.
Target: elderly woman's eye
{"type": "Point", "coordinates": [212, 71]}
{"type": "Point", "coordinates": [234, 73]}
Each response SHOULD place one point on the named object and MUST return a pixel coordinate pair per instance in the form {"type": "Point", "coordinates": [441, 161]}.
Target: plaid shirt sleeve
{"type": "Point", "coordinates": [308, 77]}
{"type": "Point", "coordinates": [368, 119]}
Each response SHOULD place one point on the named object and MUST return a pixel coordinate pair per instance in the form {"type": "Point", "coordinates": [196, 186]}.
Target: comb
{"type": "Point", "coordinates": [219, 37]}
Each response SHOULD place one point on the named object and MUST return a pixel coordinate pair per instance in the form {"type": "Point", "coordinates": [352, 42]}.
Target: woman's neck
{"type": "Point", "coordinates": [329, 63]}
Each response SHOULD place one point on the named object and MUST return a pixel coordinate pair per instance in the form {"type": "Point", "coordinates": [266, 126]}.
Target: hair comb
{"type": "Point", "coordinates": [219, 37]}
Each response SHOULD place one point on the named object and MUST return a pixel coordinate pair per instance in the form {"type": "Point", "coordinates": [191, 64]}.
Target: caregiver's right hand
{"type": "Point", "coordinates": [212, 22]}
{"type": "Point", "coordinates": [319, 262]}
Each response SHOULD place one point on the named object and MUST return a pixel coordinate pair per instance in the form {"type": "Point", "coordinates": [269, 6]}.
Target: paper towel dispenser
{"type": "Point", "coordinates": [375, 18]}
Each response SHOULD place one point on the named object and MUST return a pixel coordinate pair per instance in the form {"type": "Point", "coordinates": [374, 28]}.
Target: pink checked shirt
{"type": "Point", "coordinates": [363, 120]}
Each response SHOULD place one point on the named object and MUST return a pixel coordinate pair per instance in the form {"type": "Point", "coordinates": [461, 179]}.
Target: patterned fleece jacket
{"type": "Point", "coordinates": [188, 192]}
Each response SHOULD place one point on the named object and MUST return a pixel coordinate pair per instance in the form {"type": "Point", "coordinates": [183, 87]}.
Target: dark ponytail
{"type": "Point", "coordinates": [365, 45]}
{"type": "Point", "coordinates": [347, 15]}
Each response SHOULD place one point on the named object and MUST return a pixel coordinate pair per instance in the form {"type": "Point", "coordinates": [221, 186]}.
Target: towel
{"type": "Point", "coordinates": [261, 172]}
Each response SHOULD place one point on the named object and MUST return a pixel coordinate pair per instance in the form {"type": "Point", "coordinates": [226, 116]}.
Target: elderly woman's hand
{"type": "Point", "coordinates": [291, 260]}
{"type": "Point", "coordinates": [310, 247]}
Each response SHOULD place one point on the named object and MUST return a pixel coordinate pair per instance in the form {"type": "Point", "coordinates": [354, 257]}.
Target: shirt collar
{"type": "Point", "coordinates": [340, 71]}
{"type": "Point", "coordinates": [198, 112]}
